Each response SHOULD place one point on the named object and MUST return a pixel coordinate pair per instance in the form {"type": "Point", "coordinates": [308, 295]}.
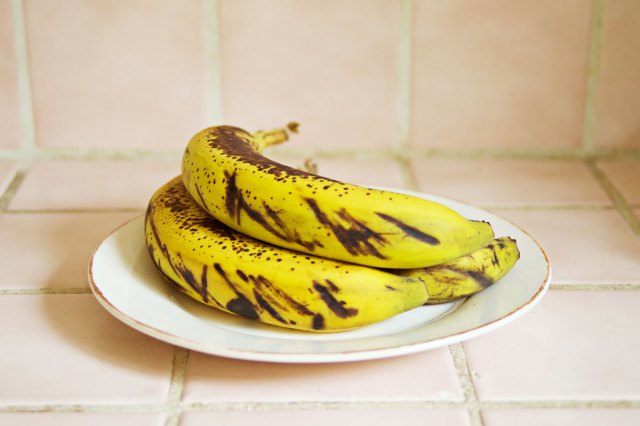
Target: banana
{"type": "Point", "coordinates": [469, 274]}
{"type": "Point", "coordinates": [235, 273]}
{"type": "Point", "coordinates": [224, 170]}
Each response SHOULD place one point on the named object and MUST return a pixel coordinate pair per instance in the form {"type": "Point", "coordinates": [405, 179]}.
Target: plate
{"type": "Point", "coordinates": [126, 283]}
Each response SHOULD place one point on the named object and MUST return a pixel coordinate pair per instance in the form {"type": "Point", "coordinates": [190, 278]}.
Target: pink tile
{"type": "Point", "coordinates": [9, 97]}
{"type": "Point", "coordinates": [574, 345]}
{"type": "Point", "coordinates": [97, 184]}
{"type": "Point", "coordinates": [566, 417]}
{"type": "Point", "coordinates": [82, 419]}
{"type": "Point", "coordinates": [329, 66]}
{"type": "Point", "coordinates": [373, 417]}
{"type": "Point", "coordinates": [617, 124]}
{"type": "Point", "coordinates": [625, 175]}
{"type": "Point", "coordinates": [126, 75]}
{"type": "Point", "coordinates": [573, 239]}
{"type": "Point", "coordinates": [500, 74]}
{"type": "Point", "coordinates": [66, 349]}
{"type": "Point", "coordinates": [429, 375]}
{"type": "Point", "coordinates": [507, 182]}
{"type": "Point", "coordinates": [8, 170]}
{"type": "Point", "coordinates": [51, 250]}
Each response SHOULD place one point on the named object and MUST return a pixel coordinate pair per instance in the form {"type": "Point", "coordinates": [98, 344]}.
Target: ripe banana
{"type": "Point", "coordinates": [469, 274]}
{"type": "Point", "coordinates": [238, 274]}
{"type": "Point", "coordinates": [226, 173]}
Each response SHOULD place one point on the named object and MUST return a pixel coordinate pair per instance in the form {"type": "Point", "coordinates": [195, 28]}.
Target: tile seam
{"type": "Point", "coordinates": [83, 408]}
{"type": "Point", "coordinates": [320, 405]}
{"type": "Point", "coordinates": [43, 291]}
{"type": "Point", "coordinates": [77, 211]}
{"type": "Point", "coordinates": [12, 188]}
{"type": "Point", "coordinates": [618, 200]}
{"type": "Point", "coordinates": [558, 154]}
{"type": "Point", "coordinates": [465, 378]}
{"type": "Point", "coordinates": [403, 78]}
{"type": "Point", "coordinates": [382, 404]}
{"type": "Point", "coordinates": [593, 75]}
{"type": "Point", "coordinates": [91, 154]}
{"type": "Point", "coordinates": [565, 404]}
{"type": "Point", "coordinates": [25, 93]}
{"type": "Point", "coordinates": [595, 287]}
{"type": "Point", "coordinates": [587, 287]}
{"type": "Point", "coordinates": [409, 180]}
{"type": "Point", "coordinates": [545, 206]}
{"type": "Point", "coordinates": [212, 51]}
{"type": "Point", "coordinates": [176, 386]}
{"type": "Point", "coordinates": [407, 184]}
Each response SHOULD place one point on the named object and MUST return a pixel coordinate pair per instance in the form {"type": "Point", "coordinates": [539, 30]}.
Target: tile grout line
{"type": "Point", "coordinates": [176, 386]}
{"type": "Point", "coordinates": [319, 405]}
{"type": "Point", "coordinates": [565, 404]}
{"type": "Point", "coordinates": [409, 180]}
{"type": "Point", "coordinates": [587, 287]}
{"type": "Point", "coordinates": [408, 183]}
{"type": "Point", "coordinates": [593, 76]}
{"type": "Point", "coordinates": [25, 94]}
{"type": "Point", "coordinates": [554, 154]}
{"type": "Point", "coordinates": [80, 153]}
{"type": "Point", "coordinates": [403, 78]}
{"type": "Point", "coordinates": [12, 189]}
{"type": "Point", "coordinates": [44, 291]}
{"type": "Point", "coordinates": [595, 287]}
{"type": "Point", "coordinates": [83, 408]}
{"type": "Point", "coordinates": [139, 210]}
{"type": "Point", "coordinates": [466, 382]}
{"type": "Point", "coordinates": [618, 200]}
{"type": "Point", "coordinates": [212, 48]}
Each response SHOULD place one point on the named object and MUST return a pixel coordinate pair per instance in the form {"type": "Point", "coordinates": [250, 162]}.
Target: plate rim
{"type": "Point", "coordinates": [324, 357]}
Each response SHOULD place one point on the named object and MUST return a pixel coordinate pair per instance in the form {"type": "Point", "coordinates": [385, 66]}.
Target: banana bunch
{"type": "Point", "coordinates": [286, 247]}
{"type": "Point", "coordinates": [236, 273]}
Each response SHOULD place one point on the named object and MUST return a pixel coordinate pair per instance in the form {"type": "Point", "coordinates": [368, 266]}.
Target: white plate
{"type": "Point", "coordinates": [127, 284]}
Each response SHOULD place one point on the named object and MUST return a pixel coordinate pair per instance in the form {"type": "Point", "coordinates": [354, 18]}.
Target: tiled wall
{"type": "Point", "coordinates": [99, 77]}
{"type": "Point", "coordinates": [528, 108]}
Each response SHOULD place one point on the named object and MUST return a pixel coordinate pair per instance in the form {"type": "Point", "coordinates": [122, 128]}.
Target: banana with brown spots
{"type": "Point", "coordinates": [238, 274]}
{"type": "Point", "coordinates": [226, 173]}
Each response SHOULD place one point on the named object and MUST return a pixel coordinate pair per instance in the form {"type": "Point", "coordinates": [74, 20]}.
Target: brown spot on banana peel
{"type": "Point", "coordinates": [156, 235]}
{"type": "Point", "coordinates": [267, 307]}
{"type": "Point", "coordinates": [237, 143]}
{"type": "Point", "coordinates": [318, 322]}
{"type": "Point", "coordinates": [332, 303]}
{"type": "Point", "coordinates": [410, 231]}
{"type": "Point", "coordinates": [357, 239]}
{"type": "Point", "coordinates": [262, 282]}
{"type": "Point", "coordinates": [235, 204]}
{"type": "Point", "coordinates": [177, 285]}
{"type": "Point", "coordinates": [241, 305]}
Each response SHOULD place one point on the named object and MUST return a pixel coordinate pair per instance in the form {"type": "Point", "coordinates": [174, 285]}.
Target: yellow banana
{"type": "Point", "coordinates": [226, 173]}
{"type": "Point", "coordinates": [468, 274]}
{"type": "Point", "coordinates": [238, 274]}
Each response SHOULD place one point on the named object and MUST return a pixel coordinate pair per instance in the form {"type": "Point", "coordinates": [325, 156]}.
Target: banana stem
{"type": "Point", "coordinates": [266, 138]}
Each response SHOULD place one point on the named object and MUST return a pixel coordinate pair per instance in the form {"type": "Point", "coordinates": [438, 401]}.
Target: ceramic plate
{"type": "Point", "coordinates": [127, 284]}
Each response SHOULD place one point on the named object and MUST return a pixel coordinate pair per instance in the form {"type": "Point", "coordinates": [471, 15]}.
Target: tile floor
{"type": "Point", "coordinates": [571, 360]}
